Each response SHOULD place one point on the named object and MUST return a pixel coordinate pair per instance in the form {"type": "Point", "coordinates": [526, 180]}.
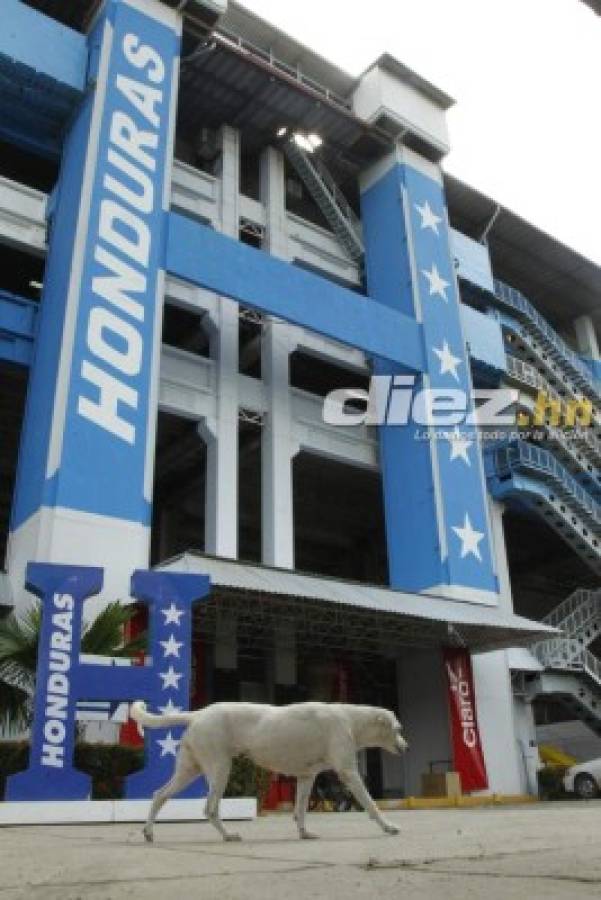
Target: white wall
{"type": "Point", "coordinates": [525, 732]}
{"type": "Point", "coordinates": [494, 704]}
{"type": "Point", "coordinates": [494, 693]}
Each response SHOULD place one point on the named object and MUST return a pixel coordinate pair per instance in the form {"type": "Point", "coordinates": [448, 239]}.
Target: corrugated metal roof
{"type": "Point", "coordinates": [242, 21]}
{"type": "Point", "coordinates": [480, 626]}
{"type": "Point", "coordinates": [232, 84]}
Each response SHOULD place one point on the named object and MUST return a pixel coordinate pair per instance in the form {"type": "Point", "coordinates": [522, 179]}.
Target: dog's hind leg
{"type": "Point", "coordinates": [304, 786]}
{"type": "Point", "coordinates": [186, 770]}
{"type": "Point", "coordinates": [218, 778]}
{"type": "Point", "coordinates": [352, 779]}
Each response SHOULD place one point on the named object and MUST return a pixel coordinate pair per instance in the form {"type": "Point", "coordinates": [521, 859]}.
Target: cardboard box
{"type": "Point", "coordinates": [441, 784]}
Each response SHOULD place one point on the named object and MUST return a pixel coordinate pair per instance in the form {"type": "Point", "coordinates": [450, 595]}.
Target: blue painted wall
{"type": "Point", "coordinates": [484, 338]}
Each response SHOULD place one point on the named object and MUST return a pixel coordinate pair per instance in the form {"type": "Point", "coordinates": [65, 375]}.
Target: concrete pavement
{"type": "Point", "coordinates": [550, 851]}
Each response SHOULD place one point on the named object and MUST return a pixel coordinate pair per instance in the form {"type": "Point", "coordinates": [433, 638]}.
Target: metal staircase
{"type": "Point", "coordinates": [572, 673]}
{"type": "Point", "coordinates": [518, 344]}
{"type": "Point", "coordinates": [578, 690]}
{"type": "Point", "coordinates": [567, 448]}
{"type": "Point", "coordinates": [537, 480]}
{"type": "Point", "coordinates": [547, 344]}
{"type": "Point", "coordinates": [579, 620]}
{"type": "Point", "coordinates": [583, 440]}
{"type": "Point", "coordinates": [577, 613]}
{"type": "Point", "coordinates": [561, 484]}
{"type": "Point", "coordinates": [529, 336]}
{"type": "Point", "coordinates": [329, 198]}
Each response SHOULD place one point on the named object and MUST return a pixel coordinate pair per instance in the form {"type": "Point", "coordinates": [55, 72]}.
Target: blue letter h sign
{"type": "Point", "coordinates": [62, 679]}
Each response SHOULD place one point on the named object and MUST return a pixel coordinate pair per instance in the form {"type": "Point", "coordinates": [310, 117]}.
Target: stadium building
{"type": "Point", "coordinates": [201, 238]}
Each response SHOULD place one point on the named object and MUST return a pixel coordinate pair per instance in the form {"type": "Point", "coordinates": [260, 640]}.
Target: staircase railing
{"type": "Point", "coordinates": [592, 666]}
{"type": "Point", "coordinates": [578, 440]}
{"type": "Point", "coordinates": [559, 653]}
{"type": "Point", "coordinates": [329, 198]}
{"type": "Point", "coordinates": [556, 374]}
{"type": "Point", "coordinates": [535, 478]}
{"type": "Point", "coordinates": [328, 180]}
{"type": "Point", "coordinates": [577, 610]}
{"type": "Point", "coordinates": [538, 326]}
{"type": "Point", "coordinates": [560, 656]}
{"type": "Point", "coordinates": [579, 618]}
{"type": "Point", "coordinates": [519, 456]}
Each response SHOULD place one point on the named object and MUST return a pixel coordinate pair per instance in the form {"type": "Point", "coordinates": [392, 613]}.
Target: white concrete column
{"type": "Point", "coordinates": [221, 434]}
{"type": "Point", "coordinates": [278, 443]}
{"type": "Point", "coordinates": [221, 493]}
{"type": "Point", "coordinates": [586, 337]}
{"type": "Point", "coordinates": [278, 449]}
{"type": "Point", "coordinates": [525, 727]}
{"type": "Point", "coordinates": [273, 197]}
{"type": "Point", "coordinates": [229, 174]}
{"type": "Point", "coordinates": [495, 708]}
{"type": "Point", "coordinates": [499, 550]}
{"type": "Point", "coordinates": [492, 683]}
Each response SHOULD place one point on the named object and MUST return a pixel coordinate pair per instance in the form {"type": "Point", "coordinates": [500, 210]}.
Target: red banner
{"type": "Point", "coordinates": [468, 758]}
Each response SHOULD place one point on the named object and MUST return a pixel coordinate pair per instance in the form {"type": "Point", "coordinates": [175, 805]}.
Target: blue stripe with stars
{"type": "Point", "coordinates": [437, 522]}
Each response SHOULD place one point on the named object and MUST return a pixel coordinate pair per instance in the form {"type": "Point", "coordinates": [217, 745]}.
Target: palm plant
{"type": "Point", "coordinates": [19, 638]}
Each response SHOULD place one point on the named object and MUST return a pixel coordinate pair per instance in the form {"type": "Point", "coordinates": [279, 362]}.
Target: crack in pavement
{"type": "Point", "coordinates": [483, 856]}
{"type": "Point", "coordinates": [530, 876]}
{"type": "Point", "coordinates": [435, 866]}
{"type": "Point", "coordinates": [216, 849]}
{"type": "Point", "coordinates": [228, 854]}
{"type": "Point", "coordinates": [106, 882]}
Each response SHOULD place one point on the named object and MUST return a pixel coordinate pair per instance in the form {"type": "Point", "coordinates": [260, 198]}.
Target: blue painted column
{"type": "Point", "coordinates": [437, 521]}
{"type": "Point", "coordinates": [83, 492]}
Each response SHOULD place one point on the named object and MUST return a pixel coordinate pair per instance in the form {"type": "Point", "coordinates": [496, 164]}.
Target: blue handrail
{"type": "Point", "coordinates": [513, 298]}
{"type": "Point", "coordinates": [518, 456]}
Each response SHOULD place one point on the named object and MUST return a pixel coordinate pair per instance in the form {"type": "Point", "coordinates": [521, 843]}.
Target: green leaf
{"type": "Point", "coordinates": [104, 636]}
{"type": "Point", "coordinates": [19, 638]}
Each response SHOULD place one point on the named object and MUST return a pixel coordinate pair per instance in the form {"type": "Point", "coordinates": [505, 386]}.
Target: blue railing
{"type": "Point", "coordinates": [17, 328]}
{"type": "Point", "coordinates": [521, 305]}
{"type": "Point", "coordinates": [504, 461]}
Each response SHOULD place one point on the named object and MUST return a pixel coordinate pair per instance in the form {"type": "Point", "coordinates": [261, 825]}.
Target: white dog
{"type": "Point", "coordinates": [300, 740]}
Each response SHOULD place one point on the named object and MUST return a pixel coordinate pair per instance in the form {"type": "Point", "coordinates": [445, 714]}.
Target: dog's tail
{"type": "Point", "coordinates": [139, 714]}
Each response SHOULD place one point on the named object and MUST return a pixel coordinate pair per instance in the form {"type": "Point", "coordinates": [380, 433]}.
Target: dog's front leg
{"type": "Point", "coordinates": [352, 779]}
{"type": "Point", "coordinates": [304, 785]}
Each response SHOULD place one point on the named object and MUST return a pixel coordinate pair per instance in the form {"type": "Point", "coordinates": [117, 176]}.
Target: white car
{"type": "Point", "coordinates": [584, 779]}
